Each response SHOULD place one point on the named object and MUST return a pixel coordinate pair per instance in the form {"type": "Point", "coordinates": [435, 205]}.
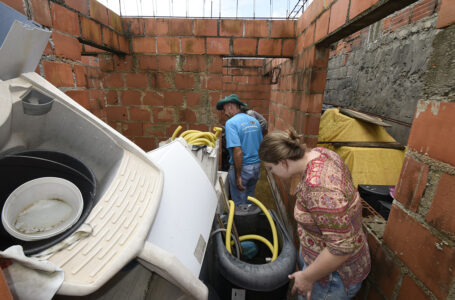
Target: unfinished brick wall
{"type": "Point", "coordinates": [415, 256]}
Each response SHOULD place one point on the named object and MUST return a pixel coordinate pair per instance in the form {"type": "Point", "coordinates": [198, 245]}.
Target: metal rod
{"type": "Point", "coordinates": [105, 48]}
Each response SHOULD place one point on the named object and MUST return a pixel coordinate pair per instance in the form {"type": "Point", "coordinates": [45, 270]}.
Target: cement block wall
{"type": "Point", "coordinates": [172, 72]}
{"type": "Point", "coordinates": [380, 69]}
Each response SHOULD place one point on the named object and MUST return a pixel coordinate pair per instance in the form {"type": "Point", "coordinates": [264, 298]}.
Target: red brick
{"type": "Point", "coordinates": [90, 30]}
{"type": "Point", "coordinates": [168, 45]}
{"type": "Point", "coordinates": [218, 46]}
{"type": "Point", "coordinates": [313, 11]}
{"type": "Point", "coordinates": [15, 4]}
{"type": "Point", "coordinates": [309, 37]}
{"type": "Point", "coordinates": [131, 97]}
{"type": "Point", "coordinates": [59, 74]}
{"type": "Point", "coordinates": [283, 28]}
{"type": "Point", "coordinates": [424, 254]}
{"type": "Point", "coordinates": [90, 61]}
{"type": "Point", "coordinates": [269, 47]}
{"type": "Point", "coordinates": [123, 63]}
{"type": "Point", "coordinates": [184, 81]}
{"type": "Point", "coordinates": [338, 14]}
{"type": "Point", "coordinates": [384, 272]}
{"type": "Point", "coordinates": [187, 115]}
{"type": "Point", "coordinates": [359, 6]}
{"type": "Point", "coordinates": [214, 82]}
{"type": "Point", "coordinates": [139, 114]}
{"type": "Point", "coordinates": [153, 98]}
{"type": "Point", "coordinates": [193, 99]}
{"type": "Point", "coordinates": [106, 62]}
{"type": "Point", "coordinates": [137, 80]}
{"type": "Point", "coordinates": [193, 45]}
{"type": "Point", "coordinates": [410, 290]}
{"type": "Point", "coordinates": [423, 9]}
{"type": "Point", "coordinates": [123, 44]}
{"type": "Point", "coordinates": [115, 21]}
{"type": "Point", "coordinates": [161, 80]}
{"type": "Point", "coordinates": [66, 46]}
{"type": "Point", "coordinates": [111, 97]}
{"type": "Point", "coordinates": [205, 27]}
{"type": "Point", "coordinates": [257, 28]}
{"type": "Point", "coordinates": [113, 80]}
{"type": "Point", "coordinates": [146, 143]}
{"type": "Point", "coordinates": [110, 38]}
{"type": "Point", "coordinates": [133, 129]}
{"type": "Point", "coordinates": [446, 16]}
{"type": "Point", "coordinates": [41, 12]}
{"type": "Point", "coordinates": [322, 26]}
{"type": "Point", "coordinates": [231, 27]}
{"type": "Point", "coordinates": [166, 114]}
{"type": "Point", "coordinates": [412, 183]}
{"type": "Point", "coordinates": [167, 62]}
{"type": "Point", "coordinates": [155, 129]}
{"type": "Point", "coordinates": [98, 12]}
{"type": "Point", "coordinates": [386, 24]}
{"type": "Point", "coordinates": [134, 26]}
{"type": "Point", "coordinates": [244, 47]}
{"type": "Point", "coordinates": [288, 48]}
{"type": "Point", "coordinates": [116, 113]}
{"type": "Point", "coordinates": [81, 77]}
{"type": "Point", "coordinates": [180, 27]}
{"type": "Point", "coordinates": [318, 79]}
{"type": "Point", "coordinates": [143, 44]}
{"type": "Point", "coordinates": [80, 96]}
{"type": "Point", "coordinates": [156, 26]}
{"type": "Point", "coordinates": [442, 207]}
{"type": "Point", "coordinates": [147, 62]}
{"type": "Point", "coordinates": [173, 98]}
{"type": "Point", "coordinates": [432, 124]}
{"type": "Point", "coordinates": [79, 5]}
{"type": "Point", "coordinates": [194, 63]}
{"type": "Point", "coordinates": [64, 19]}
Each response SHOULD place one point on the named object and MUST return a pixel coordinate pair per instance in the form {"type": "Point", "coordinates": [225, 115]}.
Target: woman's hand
{"type": "Point", "coordinates": [302, 284]}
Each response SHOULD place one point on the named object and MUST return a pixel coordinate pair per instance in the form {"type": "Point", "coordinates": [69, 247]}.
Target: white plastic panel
{"type": "Point", "coordinates": [187, 207]}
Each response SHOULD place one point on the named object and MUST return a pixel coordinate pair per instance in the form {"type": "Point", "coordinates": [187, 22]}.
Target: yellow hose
{"type": "Point", "coordinates": [229, 225]}
{"type": "Point", "coordinates": [273, 249]}
{"type": "Point", "coordinates": [256, 237]}
{"type": "Point", "coordinates": [176, 131]}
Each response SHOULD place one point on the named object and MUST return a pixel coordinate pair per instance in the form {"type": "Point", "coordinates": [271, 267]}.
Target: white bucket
{"type": "Point", "coordinates": [42, 208]}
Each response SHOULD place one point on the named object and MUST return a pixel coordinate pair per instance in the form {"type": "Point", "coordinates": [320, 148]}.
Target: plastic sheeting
{"type": "Point", "coordinates": [372, 166]}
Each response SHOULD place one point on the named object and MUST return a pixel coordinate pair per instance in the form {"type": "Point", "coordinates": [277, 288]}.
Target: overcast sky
{"type": "Point", "coordinates": [204, 8]}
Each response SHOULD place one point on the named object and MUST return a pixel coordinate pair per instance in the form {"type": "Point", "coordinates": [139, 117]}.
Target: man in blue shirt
{"type": "Point", "coordinates": [243, 138]}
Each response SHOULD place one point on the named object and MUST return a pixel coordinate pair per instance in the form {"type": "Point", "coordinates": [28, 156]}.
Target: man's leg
{"type": "Point", "coordinates": [239, 197]}
{"type": "Point", "coordinates": [250, 177]}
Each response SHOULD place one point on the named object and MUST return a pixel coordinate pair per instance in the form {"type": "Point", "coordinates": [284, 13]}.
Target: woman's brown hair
{"type": "Point", "coordinates": [281, 145]}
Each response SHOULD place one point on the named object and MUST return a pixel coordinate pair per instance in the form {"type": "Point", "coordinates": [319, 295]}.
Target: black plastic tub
{"type": "Point", "coordinates": [256, 278]}
{"type": "Point", "coordinates": [18, 168]}
{"type": "Point", "coordinates": [378, 196]}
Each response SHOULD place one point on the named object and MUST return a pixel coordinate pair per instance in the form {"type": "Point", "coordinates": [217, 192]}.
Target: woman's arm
{"type": "Point", "coordinates": [323, 265]}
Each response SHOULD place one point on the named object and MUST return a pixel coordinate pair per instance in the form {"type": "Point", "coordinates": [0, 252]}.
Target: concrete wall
{"type": "Point", "coordinates": [380, 69]}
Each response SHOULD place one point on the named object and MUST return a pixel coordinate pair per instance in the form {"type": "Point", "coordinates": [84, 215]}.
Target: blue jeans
{"type": "Point", "coordinates": [250, 176]}
{"type": "Point", "coordinates": [334, 290]}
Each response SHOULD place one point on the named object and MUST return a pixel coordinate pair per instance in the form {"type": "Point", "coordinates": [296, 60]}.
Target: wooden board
{"type": "Point", "coordinates": [364, 117]}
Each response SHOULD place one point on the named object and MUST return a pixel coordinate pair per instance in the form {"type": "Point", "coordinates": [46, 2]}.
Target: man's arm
{"type": "Point", "coordinates": [238, 158]}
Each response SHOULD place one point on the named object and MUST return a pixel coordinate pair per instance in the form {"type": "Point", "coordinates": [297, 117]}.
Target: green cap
{"type": "Point", "coordinates": [231, 98]}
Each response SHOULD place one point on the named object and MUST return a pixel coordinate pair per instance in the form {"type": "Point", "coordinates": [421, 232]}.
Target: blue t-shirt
{"type": "Point", "coordinates": [245, 132]}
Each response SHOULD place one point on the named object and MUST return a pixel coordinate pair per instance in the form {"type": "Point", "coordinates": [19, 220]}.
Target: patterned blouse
{"type": "Point", "coordinates": [328, 212]}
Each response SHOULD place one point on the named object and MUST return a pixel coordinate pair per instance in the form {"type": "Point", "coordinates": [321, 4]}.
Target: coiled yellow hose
{"type": "Point", "coordinates": [199, 138]}
{"type": "Point", "coordinates": [273, 248]}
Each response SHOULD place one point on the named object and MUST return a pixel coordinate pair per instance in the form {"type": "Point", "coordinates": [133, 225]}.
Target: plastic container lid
{"type": "Point", "coordinates": [42, 208]}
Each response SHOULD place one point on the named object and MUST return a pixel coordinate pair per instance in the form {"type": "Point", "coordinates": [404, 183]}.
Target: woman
{"type": "Point", "coordinates": [334, 253]}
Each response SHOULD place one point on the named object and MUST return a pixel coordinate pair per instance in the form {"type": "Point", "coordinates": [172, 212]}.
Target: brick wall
{"type": "Point", "coordinates": [413, 253]}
